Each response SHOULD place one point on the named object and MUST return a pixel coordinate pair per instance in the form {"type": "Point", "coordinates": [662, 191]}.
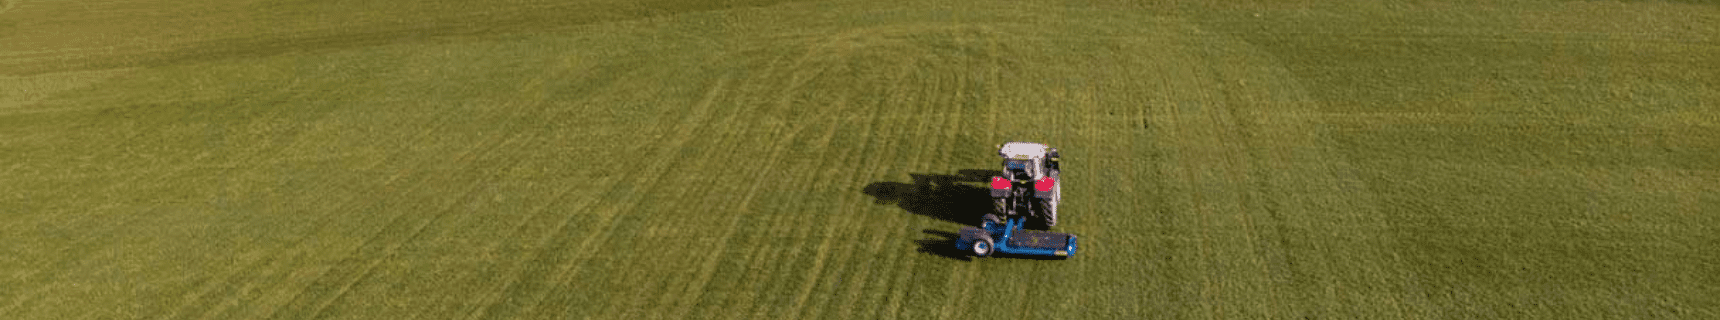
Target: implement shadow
{"type": "Point", "coordinates": [942, 244]}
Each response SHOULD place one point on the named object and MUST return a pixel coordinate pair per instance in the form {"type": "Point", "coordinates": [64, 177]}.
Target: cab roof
{"type": "Point", "coordinates": [1022, 150]}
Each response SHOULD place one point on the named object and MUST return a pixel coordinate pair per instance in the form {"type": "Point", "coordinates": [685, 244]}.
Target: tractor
{"type": "Point", "coordinates": [1031, 183]}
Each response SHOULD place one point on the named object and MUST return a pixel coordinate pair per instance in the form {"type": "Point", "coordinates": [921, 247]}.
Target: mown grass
{"type": "Point", "coordinates": [1543, 158]}
{"type": "Point", "coordinates": [675, 160]}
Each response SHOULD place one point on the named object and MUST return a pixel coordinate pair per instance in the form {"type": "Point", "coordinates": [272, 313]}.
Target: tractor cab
{"type": "Point", "coordinates": [1025, 161]}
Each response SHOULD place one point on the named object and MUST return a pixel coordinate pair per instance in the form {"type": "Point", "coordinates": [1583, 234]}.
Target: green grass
{"type": "Point", "coordinates": [697, 159]}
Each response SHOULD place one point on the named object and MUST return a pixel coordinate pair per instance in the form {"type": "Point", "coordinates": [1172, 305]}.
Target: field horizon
{"type": "Point", "coordinates": [607, 159]}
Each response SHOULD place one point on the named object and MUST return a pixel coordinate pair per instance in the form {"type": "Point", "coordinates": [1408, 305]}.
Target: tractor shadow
{"type": "Point", "coordinates": [959, 198]}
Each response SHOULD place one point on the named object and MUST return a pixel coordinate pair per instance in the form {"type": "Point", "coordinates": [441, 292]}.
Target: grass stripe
{"type": "Point", "coordinates": [831, 230]}
{"type": "Point", "coordinates": [805, 232]}
{"type": "Point", "coordinates": [744, 204]}
{"type": "Point", "coordinates": [852, 299]}
{"type": "Point", "coordinates": [754, 278]}
{"type": "Point", "coordinates": [786, 101]}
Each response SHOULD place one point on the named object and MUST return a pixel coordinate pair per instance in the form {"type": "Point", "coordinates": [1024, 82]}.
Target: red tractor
{"type": "Point", "coordinates": [1031, 183]}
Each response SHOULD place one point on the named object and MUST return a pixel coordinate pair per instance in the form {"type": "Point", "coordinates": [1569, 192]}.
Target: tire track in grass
{"type": "Point", "coordinates": [754, 255]}
{"type": "Point", "coordinates": [1176, 127]}
{"type": "Point", "coordinates": [916, 163]}
{"type": "Point", "coordinates": [1216, 160]}
{"type": "Point", "coordinates": [641, 291]}
{"type": "Point", "coordinates": [961, 277]}
{"type": "Point", "coordinates": [759, 261]}
{"type": "Point", "coordinates": [866, 133]}
{"type": "Point", "coordinates": [842, 232]}
{"type": "Point", "coordinates": [535, 293]}
{"type": "Point", "coordinates": [382, 246]}
{"type": "Point", "coordinates": [761, 310]}
{"type": "Point", "coordinates": [764, 294]}
{"type": "Point", "coordinates": [388, 247]}
{"type": "Point", "coordinates": [128, 180]}
{"type": "Point", "coordinates": [723, 137]}
{"type": "Point", "coordinates": [820, 253]}
{"type": "Point", "coordinates": [512, 276]}
{"type": "Point", "coordinates": [1221, 159]}
{"type": "Point", "coordinates": [721, 133]}
{"type": "Point", "coordinates": [954, 130]}
{"type": "Point", "coordinates": [804, 231]}
{"type": "Point", "coordinates": [696, 290]}
{"type": "Point", "coordinates": [844, 305]}
{"type": "Point", "coordinates": [243, 280]}
{"type": "Point", "coordinates": [308, 292]}
{"type": "Point", "coordinates": [303, 293]}
{"type": "Point", "coordinates": [494, 296]}
{"type": "Point", "coordinates": [82, 250]}
{"type": "Point", "coordinates": [823, 256]}
{"type": "Point", "coordinates": [1229, 151]}
{"type": "Point", "coordinates": [1232, 168]}
{"type": "Point", "coordinates": [468, 159]}
{"type": "Point", "coordinates": [1079, 128]}
{"type": "Point", "coordinates": [961, 274]}
{"type": "Point", "coordinates": [992, 88]}
{"type": "Point", "coordinates": [837, 225]}
{"type": "Point", "coordinates": [922, 98]}
{"type": "Point", "coordinates": [897, 286]}
{"type": "Point", "coordinates": [193, 292]}
{"type": "Point", "coordinates": [732, 137]}
{"type": "Point", "coordinates": [692, 292]}
{"type": "Point", "coordinates": [574, 263]}
{"type": "Point", "coordinates": [1147, 204]}
{"type": "Point", "coordinates": [741, 300]}
{"type": "Point", "coordinates": [855, 281]}
{"type": "Point", "coordinates": [898, 283]}
{"type": "Point", "coordinates": [991, 104]}
{"type": "Point", "coordinates": [785, 100]}
{"type": "Point", "coordinates": [892, 288]}
{"type": "Point", "coordinates": [244, 277]}
{"type": "Point", "coordinates": [902, 283]}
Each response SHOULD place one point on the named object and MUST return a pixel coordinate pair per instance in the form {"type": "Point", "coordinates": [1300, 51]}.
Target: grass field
{"type": "Point", "coordinates": [609, 159]}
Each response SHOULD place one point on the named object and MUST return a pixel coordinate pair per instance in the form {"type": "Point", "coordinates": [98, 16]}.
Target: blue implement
{"type": "Point", "coordinates": [1010, 238]}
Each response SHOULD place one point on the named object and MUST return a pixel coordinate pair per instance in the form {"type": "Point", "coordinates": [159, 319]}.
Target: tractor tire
{"type": "Point", "coordinates": [1051, 208]}
{"type": "Point", "coordinates": [983, 247]}
{"type": "Point", "coordinates": [1051, 214]}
